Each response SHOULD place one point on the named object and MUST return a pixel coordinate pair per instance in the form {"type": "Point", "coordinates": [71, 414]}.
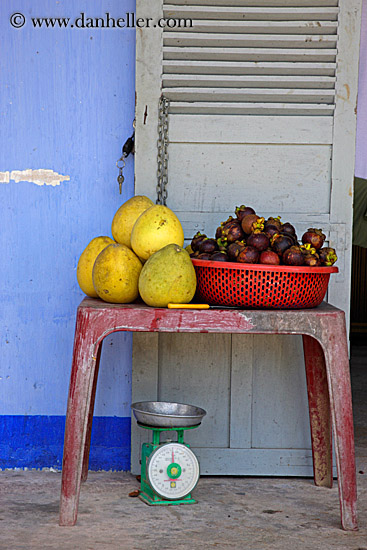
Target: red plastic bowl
{"type": "Point", "coordinates": [261, 286]}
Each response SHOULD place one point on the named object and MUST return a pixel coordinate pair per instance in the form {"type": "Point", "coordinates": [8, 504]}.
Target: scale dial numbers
{"type": "Point", "coordinates": [173, 471]}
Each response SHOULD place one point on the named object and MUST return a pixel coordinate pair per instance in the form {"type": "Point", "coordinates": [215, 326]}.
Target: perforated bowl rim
{"type": "Point", "coordinates": [264, 267]}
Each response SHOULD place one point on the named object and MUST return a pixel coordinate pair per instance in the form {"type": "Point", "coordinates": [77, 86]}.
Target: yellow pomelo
{"type": "Point", "coordinates": [86, 262]}
{"type": "Point", "coordinates": [168, 276]}
{"type": "Point", "coordinates": [116, 274]}
{"type": "Point", "coordinates": [125, 217]}
{"type": "Point", "coordinates": [154, 229]}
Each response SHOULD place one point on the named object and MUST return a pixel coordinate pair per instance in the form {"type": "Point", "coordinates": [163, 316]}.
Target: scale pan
{"type": "Point", "coordinates": [163, 414]}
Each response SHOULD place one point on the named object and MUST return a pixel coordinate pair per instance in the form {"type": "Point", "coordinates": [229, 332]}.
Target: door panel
{"type": "Point", "coordinates": [262, 112]}
{"type": "Point", "coordinates": [196, 369]}
{"type": "Point", "coordinates": [218, 177]}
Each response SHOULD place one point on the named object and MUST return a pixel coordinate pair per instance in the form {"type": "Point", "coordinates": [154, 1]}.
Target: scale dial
{"type": "Point", "coordinates": [173, 471]}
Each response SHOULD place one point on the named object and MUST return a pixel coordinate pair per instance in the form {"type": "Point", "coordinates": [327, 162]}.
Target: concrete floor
{"type": "Point", "coordinates": [233, 512]}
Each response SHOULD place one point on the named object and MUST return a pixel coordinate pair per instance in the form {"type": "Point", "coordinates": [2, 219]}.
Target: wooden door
{"type": "Point", "coordinates": [262, 112]}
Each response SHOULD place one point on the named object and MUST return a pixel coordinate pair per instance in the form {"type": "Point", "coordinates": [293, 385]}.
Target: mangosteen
{"type": "Point", "coordinates": [274, 221]}
{"type": "Point", "coordinates": [251, 222]}
{"type": "Point", "coordinates": [208, 246]}
{"type": "Point", "coordinates": [269, 257]}
{"type": "Point", "coordinates": [258, 240]}
{"type": "Point", "coordinates": [280, 243]}
{"type": "Point", "coordinates": [293, 256]}
{"type": "Point", "coordinates": [293, 237]}
{"type": "Point", "coordinates": [222, 244]}
{"type": "Point", "coordinates": [307, 249]}
{"type": "Point", "coordinates": [232, 231]}
{"type": "Point", "coordinates": [219, 257]}
{"type": "Point", "coordinates": [288, 229]}
{"type": "Point", "coordinates": [197, 240]}
{"type": "Point", "coordinates": [204, 256]}
{"type": "Point", "coordinates": [218, 232]}
{"type": "Point", "coordinates": [234, 249]}
{"type": "Point", "coordinates": [242, 211]}
{"type": "Point", "coordinates": [249, 255]}
{"type": "Point", "coordinates": [312, 260]}
{"type": "Point", "coordinates": [314, 237]}
{"type": "Point", "coordinates": [327, 256]}
{"type": "Point", "coordinates": [270, 230]}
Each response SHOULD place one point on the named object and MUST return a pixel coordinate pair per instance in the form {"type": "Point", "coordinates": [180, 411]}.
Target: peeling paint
{"type": "Point", "coordinates": [347, 88]}
{"type": "Point", "coordinates": [40, 176]}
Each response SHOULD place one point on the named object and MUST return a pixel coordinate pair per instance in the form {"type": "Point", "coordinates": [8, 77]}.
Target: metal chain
{"type": "Point", "coordinates": [162, 144]}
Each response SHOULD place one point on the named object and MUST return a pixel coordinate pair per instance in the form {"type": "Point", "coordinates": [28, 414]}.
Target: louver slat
{"type": "Point", "coordinates": [259, 3]}
{"type": "Point", "coordinates": [259, 27]}
{"type": "Point", "coordinates": [251, 13]}
{"type": "Point", "coordinates": [250, 108]}
{"type": "Point", "coordinates": [184, 67]}
{"type": "Point", "coordinates": [250, 94]}
{"type": "Point", "coordinates": [253, 81]}
{"type": "Point", "coordinates": [263, 57]}
{"type": "Point", "coordinates": [250, 54]}
{"type": "Point", "coordinates": [218, 40]}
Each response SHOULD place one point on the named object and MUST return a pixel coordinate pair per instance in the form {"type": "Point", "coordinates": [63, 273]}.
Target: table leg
{"type": "Point", "coordinates": [338, 373]}
{"type": "Point", "coordinates": [319, 411]}
{"type": "Point", "coordinates": [77, 418]}
{"type": "Point", "coordinates": [90, 418]}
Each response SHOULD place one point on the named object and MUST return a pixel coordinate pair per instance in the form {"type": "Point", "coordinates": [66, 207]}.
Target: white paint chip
{"type": "Point", "coordinates": [41, 176]}
{"type": "Point", "coordinates": [4, 177]}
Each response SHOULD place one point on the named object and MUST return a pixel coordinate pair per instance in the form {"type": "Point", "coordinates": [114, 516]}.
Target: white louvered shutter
{"type": "Point", "coordinates": [263, 58]}
{"type": "Point", "coordinates": [262, 112]}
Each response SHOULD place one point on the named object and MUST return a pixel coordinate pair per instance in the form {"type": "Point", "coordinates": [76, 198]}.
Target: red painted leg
{"type": "Point", "coordinates": [319, 410]}
{"type": "Point", "coordinates": [90, 419]}
{"type": "Point", "coordinates": [80, 393]}
{"type": "Point", "coordinates": [337, 367]}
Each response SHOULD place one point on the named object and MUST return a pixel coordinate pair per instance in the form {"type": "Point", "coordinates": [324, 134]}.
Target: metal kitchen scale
{"type": "Point", "coordinates": [169, 469]}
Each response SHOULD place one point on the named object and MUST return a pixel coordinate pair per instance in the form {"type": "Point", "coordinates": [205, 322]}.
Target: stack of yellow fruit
{"type": "Point", "coordinates": [145, 257]}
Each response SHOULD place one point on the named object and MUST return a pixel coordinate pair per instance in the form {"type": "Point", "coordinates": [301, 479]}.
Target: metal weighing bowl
{"type": "Point", "coordinates": [167, 415]}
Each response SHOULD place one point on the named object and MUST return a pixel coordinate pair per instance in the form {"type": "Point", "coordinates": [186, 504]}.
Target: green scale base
{"type": "Point", "coordinates": [147, 494]}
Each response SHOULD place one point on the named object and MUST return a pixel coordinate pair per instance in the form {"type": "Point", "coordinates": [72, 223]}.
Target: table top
{"type": "Point", "coordinates": [140, 317]}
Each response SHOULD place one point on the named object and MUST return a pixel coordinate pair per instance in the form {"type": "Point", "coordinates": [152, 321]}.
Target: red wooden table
{"type": "Point", "coordinates": [327, 373]}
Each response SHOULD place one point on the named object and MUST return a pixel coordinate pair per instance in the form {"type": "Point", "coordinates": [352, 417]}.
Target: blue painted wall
{"type": "Point", "coordinates": [67, 105]}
